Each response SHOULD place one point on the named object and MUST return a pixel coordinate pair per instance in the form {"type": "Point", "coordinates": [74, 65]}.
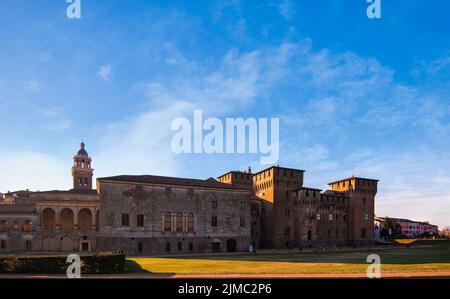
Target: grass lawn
{"type": "Point", "coordinates": [421, 256]}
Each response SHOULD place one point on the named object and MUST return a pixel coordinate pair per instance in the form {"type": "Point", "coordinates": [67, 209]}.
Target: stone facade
{"type": "Point", "coordinates": [177, 215]}
{"type": "Point", "coordinates": [143, 215]}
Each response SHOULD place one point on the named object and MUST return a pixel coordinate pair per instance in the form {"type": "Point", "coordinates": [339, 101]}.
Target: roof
{"type": "Point", "coordinates": [164, 180]}
{"type": "Point", "coordinates": [82, 151]}
{"type": "Point", "coordinates": [235, 171]}
{"type": "Point", "coordinates": [351, 178]}
{"type": "Point", "coordinates": [71, 191]}
{"type": "Point", "coordinates": [279, 167]}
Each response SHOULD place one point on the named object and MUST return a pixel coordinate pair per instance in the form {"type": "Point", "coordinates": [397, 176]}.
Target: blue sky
{"type": "Point", "coordinates": [355, 96]}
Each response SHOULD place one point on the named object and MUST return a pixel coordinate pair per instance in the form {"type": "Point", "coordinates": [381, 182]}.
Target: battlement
{"type": "Point", "coordinates": [355, 184]}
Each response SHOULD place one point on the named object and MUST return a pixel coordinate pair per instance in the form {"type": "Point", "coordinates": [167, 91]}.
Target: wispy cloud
{"type": "Point", "coordinates": [55, 120]}
{"type": "Point", "coordinates": [105, 72]}
{"type": "Point", "coordinates": [286, 9]}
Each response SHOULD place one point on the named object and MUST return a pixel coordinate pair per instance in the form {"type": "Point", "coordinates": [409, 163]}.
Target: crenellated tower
{"type": "Point", "coordinates": [361, 208]}
{"type": "Point", "coordinates": [81, 170]}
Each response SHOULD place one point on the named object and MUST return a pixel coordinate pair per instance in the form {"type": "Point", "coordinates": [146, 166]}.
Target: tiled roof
{"type": "Point", "coordinates": [164, 180]}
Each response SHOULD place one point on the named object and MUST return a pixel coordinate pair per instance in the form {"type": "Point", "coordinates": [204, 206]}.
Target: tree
{"type": "Point", "coordinates": [445, 232]}
{"type": "Point", "coordinates": [391, 228]}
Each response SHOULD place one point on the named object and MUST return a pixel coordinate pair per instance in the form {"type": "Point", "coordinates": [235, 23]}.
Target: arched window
{"type": "Point", "coordinates": [85, 182]}
{"type": "Point", "coordinates": [167, 222]}
{"type": "Point", "coordinates": [48, 219]}
{"type": "Point", "coordinates": [79, 182]}
{"type": "Point", "coordinates": [85, 219]}
{"type": "Point", "coordinates": [190, 222]}
{"type": "Point", "coordinates": [179, 222]}
{"type": "Point", "coordinates": [67, 219]}
{"type": "Point", "coordinates": [309, 235]}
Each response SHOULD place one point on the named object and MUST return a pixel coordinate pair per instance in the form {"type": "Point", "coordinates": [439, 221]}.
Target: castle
{"type": "Point", "coordinates": [150, 214]}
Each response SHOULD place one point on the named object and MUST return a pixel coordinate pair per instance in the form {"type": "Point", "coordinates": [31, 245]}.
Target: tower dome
{"type": "Point", "coordinates": [82, 151]}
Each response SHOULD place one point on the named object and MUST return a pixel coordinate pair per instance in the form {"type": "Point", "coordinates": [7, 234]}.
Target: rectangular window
{"type": "Point", "coordinates": [28, 244]}
{"type": "Point", "coordinates": [139, 188]}
{"type": "Point", "coordinates": [363, 233]}
{"type": "Point", "coordinates": [140, 220]}
{"type": "Point", "coordinates": [242, 205]}
{"type": "Point", "coordinates": [3, 244]}
{"type": "Point", "coordinates": [140, 247]}
{"type": "Point", "coordinates": [366, 216]}
{"type": "Point", "coordinates": [318, 216]}
{"type": "Point", "coordinates": [125, 220]}
{"type": "Point", "coordinates": [180, 246]}
{"type": "Point", "coordinates": [168, 246]}
{"type": "Point", "coordinates": [330, 217]}
{"type": "Point", "coordinates": [191, 246]}
{"type": "Point", "coordinates": [168, 190]}
{"type": "Point", "coordinates": [214, 204]}
{"type": "Point", "coordinates": [242, 221]}
{"type": "Point", "coordinates": [214, 221]}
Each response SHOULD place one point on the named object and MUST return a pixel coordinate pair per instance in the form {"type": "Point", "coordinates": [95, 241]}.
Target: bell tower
{"type": "Point", "coordinates": [81, 170]}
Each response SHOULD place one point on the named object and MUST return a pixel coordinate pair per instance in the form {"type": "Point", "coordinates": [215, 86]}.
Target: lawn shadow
{"type": "Point", "coordinates": [132, 267]}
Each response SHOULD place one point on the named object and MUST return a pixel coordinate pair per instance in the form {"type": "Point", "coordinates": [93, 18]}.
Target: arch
{"type": "Point", "coordinates": [167, 222]}
{"type": "Point", "coordinates": [48, 219]}
{"type": "Point", "coordinates": [190, 222]}
{"type": "Point", "coordinates": [67, 219]}
{"type": "Point", "coordinates": [85, 219]}
{"type": "Point", "coordinates": [66, 244]}
{"type": "Point", "coordinates": [179, 222]}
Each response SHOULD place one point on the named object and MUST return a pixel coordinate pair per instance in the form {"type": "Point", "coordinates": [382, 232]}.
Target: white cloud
{"type": "Point", "coordinates": [105, 72]}
{"type": "Point", "coordinates": [34, 171]}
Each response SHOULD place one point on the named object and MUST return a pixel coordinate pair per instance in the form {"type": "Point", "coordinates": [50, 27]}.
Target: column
{"type": "Point", "coordinates": [75, 219]}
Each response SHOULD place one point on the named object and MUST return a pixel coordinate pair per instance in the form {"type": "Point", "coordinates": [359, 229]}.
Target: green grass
{"type": "Point", "coordinates": [421, 257]}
